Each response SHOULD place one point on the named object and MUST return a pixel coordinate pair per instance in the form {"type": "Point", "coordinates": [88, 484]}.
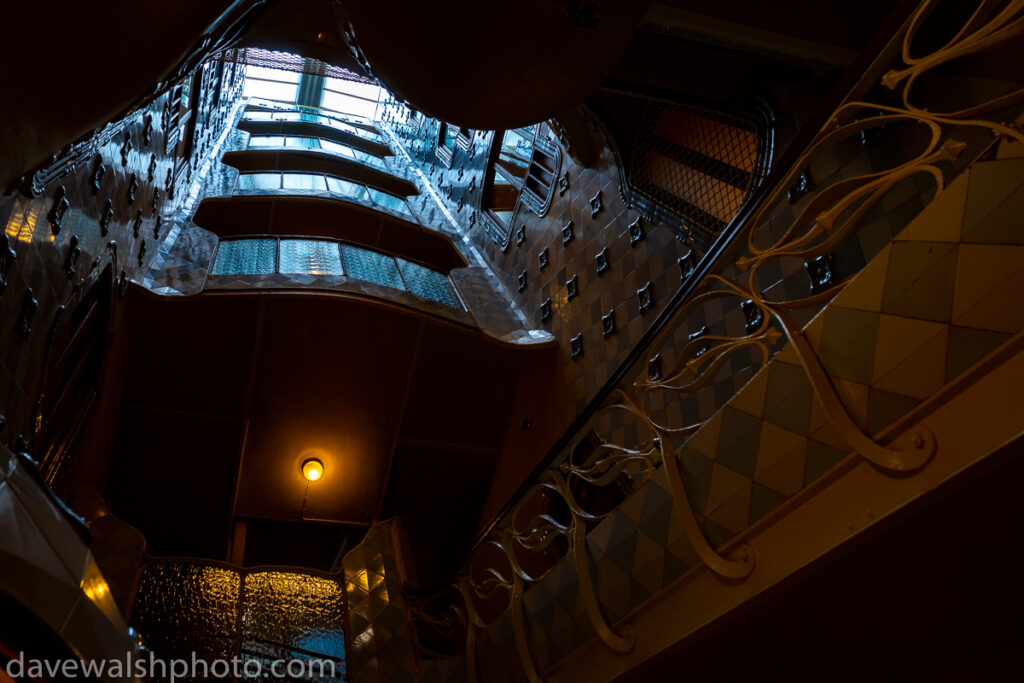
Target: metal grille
{"type": "Point", "coordinates": [699, 164]}
{"type": "Point", "coordinates": [287, 61]}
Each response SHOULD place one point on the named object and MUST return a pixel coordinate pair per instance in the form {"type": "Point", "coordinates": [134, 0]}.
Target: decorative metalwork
{"type": "Point", "coordinates": [126, 148]}
{"type": "Point", "coordinates": [602, 261]}
{"type": "Point", "coordinates": [576, 346]}
{"type": "Point", "coordinates": [608, 324]}
{"type": "Point", "coordinates": [7, 258]}
{"type": "Point", "coordinates": [521, 235]}
{"type": "Point", "coordinates": [567, 233]}
{"type": "Point", "coordinates": [99, 170]}
{"type": "Point", "coordinates": [691, 351]}
{"type": "Point", "coordinates": [595, 204]}
{"type": "Point", "coordinates": [522, 281]}
{"type": "Point", "coordinates": [58, 210]}
{"type": "Point", "coordinates": [106, 215]}
{"type": "Point", "coordinates": [636, 231]}
{"type": "Point", "coordinates": [645, 297]}
{"type": "Point", "coordinates": [29, 305]}
{"type": "Point", "coordinates": [71, 260]}
{"type": "Point", "coordinates": [133, 188]}
{"type": "Point", "coordinates": [804, 185]}
{"type": "Point", "coordinates": [137, 224]}
{"type": "Point", "coordinates": [542, 258]}
{"type": "Point", "coordinates": [572, 288]}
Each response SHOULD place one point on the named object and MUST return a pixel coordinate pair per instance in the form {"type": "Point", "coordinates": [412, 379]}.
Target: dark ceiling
{"type": "Point", "coordinates": [225, 395]}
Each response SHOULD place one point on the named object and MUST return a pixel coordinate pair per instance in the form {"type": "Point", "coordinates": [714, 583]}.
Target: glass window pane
{"type": "Point", "coordinates": [368, 159]}
{"type": "Point", "coordinates": [270, 90]}
{"type": "Point", "coordinates": [505, 217]}
{"type": "Point", "coordinates": [371, 266]}
{"type": "Point", "coordinates": [258, 115]}
{"type": "Point", "coordinates": [338, 148]}
{"type": "Point", "coordinates": [429, 284]}
{"type": "Point", "coordinates": [304, 181]}
{"type": "Point", "coordinates": [302, 142]}
{"type": "Point", "coordinates": [310, 257]}
{"type": "Point", "coordinates": [272, 74]}
{"type": "Point", "coordinates": [266, 141]}
{"type": "Point", "coordinates": [389, 201]}
{"type": "Point", "coordinates": [245, 257]}
{"type": "Point", "coordinates": [347, 189]}
{"type": "Point", "coordinates": [259, 181]}
{"type": "Point", "coordinates": [516, 148]}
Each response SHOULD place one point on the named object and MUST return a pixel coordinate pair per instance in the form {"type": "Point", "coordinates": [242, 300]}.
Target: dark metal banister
{"type": "Point", "coordinates": [855, 76]}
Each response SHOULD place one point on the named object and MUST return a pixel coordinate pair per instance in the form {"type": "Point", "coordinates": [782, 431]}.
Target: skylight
{"type": "Point", "coordinates": [336, 94]}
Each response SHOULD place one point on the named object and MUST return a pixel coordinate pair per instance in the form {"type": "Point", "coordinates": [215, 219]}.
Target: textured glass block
{"type": "Point", "coordinates": [245, 257]}
{"type": "Point", "coordinates": [304, 181]}
{"type": "Point", "coordinates": [389, 201]}
{"type": "Point", "coordinates": [266, 141]}
{"type": "Point", "coordinates": [295, 611]}
{"type": "Point", "coordinates": [181, 607]}
{"type": "Point", "coordinates": [302, 142]}
{"type": "Point", "coordinates": [259, 181]}
{"type": "Point", "coordinates": [371, 266]}
{"type": "Point", "coordinates": [309, 257]}
{"type": "Point", "coordinates": [429, 284]}
{"type": "Point", "coordinates": [347, 189]}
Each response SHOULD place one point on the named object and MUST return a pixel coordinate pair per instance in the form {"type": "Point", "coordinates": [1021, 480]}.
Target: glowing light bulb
{"type": "Point", "coordinates": [312, 469]}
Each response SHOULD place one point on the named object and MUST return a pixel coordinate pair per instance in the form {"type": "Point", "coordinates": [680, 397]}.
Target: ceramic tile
{"type": "Point", "coordinates": [942, 219]}
{"type": "Point", "coordinates": [967, 346]}
{"type": "Point", "coordinates": [789, 397]}
{"type": "Point", "coordinates": [1003, 225]}
{"type": "Point", "coordinates": [991, 184]}
{"type": "Point", "coordinates": [738, 441]}
{"type": "Point", "coordinates": [848, 343]}
{"type": "Point", "coordinates": [865, 292]}
{"type": "Point", "coordinates": [987, 280]}
{"type": "Point", "coordinates": [920, 280]}
{"type": "Point", "coordinates": [786, 475]}
{"type": "Point", "coordinates": [820, 459]}
{"type": "Point", "coordinates": [725, 485]}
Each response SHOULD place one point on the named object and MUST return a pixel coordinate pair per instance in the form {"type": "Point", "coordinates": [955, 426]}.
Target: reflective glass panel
{"type": "Point", "coordinates": [266, 141]}
{"type": "Point", "coordinates": [347, 189]}
{"type": "Point", "coordinates": [259, 181]}
{"type": "Point", "coordinates": [304, 181]}
{"type": "Point", "coordinates": [389, 201]}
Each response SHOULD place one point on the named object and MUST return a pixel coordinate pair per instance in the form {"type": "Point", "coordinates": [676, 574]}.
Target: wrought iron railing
{"type": "Point", "coordinates": [747, 298]}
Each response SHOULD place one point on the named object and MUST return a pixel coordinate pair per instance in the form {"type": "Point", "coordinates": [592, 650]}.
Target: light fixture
{"type": "Point", "coordinates": [312, 469]}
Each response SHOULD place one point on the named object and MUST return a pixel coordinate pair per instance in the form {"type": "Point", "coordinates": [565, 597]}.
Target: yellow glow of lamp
{"type": "Point", "coordinates": [312, 469]}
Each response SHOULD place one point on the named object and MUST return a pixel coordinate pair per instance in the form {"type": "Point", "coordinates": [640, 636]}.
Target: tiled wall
{"type": "Point", "coordinates": [649, 262]}
{"type": "Point", "coordinates": [380, 648]}
{"type": "Point", "coordinates": [931, 304]}
{"type": "Point", "coordinates": [105, 222]}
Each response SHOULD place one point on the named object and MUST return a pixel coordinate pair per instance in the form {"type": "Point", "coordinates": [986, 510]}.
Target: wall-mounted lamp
{"type": "Point", "coordinates": [312, 469]}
